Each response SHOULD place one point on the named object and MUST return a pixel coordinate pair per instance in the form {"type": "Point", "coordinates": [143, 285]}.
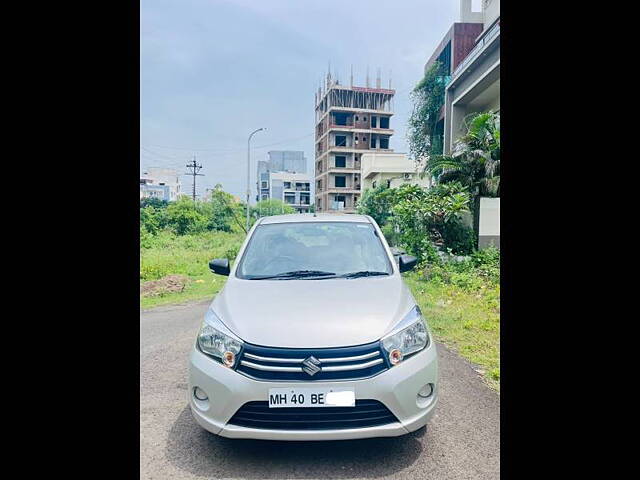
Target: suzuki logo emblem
{"type": "Point", "coordinates": [311, 365]}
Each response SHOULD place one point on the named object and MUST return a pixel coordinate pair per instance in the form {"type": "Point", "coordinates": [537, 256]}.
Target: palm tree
{"type": "Point", "coordinates": [475, 161]}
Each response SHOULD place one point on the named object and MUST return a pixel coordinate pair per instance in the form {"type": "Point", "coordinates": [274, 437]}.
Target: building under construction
{"type": "Point", "coordinates": [350, 121]}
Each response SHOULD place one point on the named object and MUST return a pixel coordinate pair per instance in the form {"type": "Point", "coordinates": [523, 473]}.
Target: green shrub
{"type": "Point", "coordinates": [185, 217]}
{"type": "Point", "coordinates": [430, 218]}
{"type": "Point", "coordinates": [480, 269]}
{"type": "Point", "coordinates": [390, 234]}
{"type": "Point", "coordinates": [377, 203]}
{"type": "Point", "coordinates": [146, 239]}
{"type": "Point", "coordinates": [458, 237]}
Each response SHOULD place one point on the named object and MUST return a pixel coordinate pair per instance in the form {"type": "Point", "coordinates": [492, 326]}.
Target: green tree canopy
{"type": "Point", "coordinates": [265, 208]}
{"type": "Point", "coordinates": [475, 161]}
{"type": "Point", "coordinates": [377, 203]}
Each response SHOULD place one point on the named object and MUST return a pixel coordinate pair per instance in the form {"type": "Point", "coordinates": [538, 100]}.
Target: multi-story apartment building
{"type": "Point", "coordinates": [452, 50]}
{"type": "Point", "coordinates": [472, 78]}
{"type": "Point", "coordinates": [283, 177]}
{"type": "Point", "coordinates": [293, 189]}
{"type": "Point", "coordinates": [470, 54]}
{"type": "Point", "coordinates": [350, 121]}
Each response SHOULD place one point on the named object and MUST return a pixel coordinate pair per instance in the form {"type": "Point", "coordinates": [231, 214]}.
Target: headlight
{"type": "Point", "coordinates": [215, 339]}
{"type": "Point", "coordinates": [409, 336]}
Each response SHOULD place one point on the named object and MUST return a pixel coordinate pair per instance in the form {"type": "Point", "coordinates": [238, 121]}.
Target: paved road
{"type": "Point", "coordinates": [462, 441]}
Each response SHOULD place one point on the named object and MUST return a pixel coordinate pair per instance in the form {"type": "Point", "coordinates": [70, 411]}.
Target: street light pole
{"type": "Point", "coordinates": [249, 171]}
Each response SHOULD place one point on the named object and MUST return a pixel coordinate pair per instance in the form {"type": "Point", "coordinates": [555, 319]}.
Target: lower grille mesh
{"type": "Point", "coordinates": [366, 413]}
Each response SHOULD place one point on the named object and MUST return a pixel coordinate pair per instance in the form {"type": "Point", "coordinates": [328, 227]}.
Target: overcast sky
{"type": "Point", "coordinates": [212, 71]}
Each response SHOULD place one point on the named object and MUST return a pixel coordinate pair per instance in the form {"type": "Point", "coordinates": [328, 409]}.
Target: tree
{"type": "Point", "coordinates": [475, 161]}
{"type": "Point", "coordinates": [153, 202]}
{"type": "Point", "coordinates": [185, 217]}
{"type": "Point", "coordinates": [265, 208]}
{"type": "Point", "coordinates": [223, 210]}
{"type": "Point", "coordinates": [377, 203]}
{"type": "Point", "coordinates": [428, 99]}
{"type": "Point", "coordinates": [430, 218]}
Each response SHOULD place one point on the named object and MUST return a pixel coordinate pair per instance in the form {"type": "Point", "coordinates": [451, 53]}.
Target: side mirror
{"type": "Point", "coordinates": [407, 262]}
{"type": "Point", "coordinates": [220, 266]}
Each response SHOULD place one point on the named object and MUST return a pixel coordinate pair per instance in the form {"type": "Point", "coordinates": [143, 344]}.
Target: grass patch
{"type": "Point", "coordinates": [167, 254]}
{"type": "Point", "coordinates": [465, 318]}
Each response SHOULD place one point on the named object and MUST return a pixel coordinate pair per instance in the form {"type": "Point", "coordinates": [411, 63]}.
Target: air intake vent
{"type": "Point", "coordinates": [366, 413]}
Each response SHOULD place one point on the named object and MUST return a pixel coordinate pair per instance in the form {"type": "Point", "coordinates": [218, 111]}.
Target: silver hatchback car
{"type": "Point", "coordinates": [314, 336]}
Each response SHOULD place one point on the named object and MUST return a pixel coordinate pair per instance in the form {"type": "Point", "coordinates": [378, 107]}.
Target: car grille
{"type": "Point", "coordinates": [289, 364]}
{"type": "Point", "coordinates": [366, 413]}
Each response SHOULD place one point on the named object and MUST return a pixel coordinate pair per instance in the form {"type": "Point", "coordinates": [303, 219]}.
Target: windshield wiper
{"type": "Point", "coordinates": [296, 274]}
{"type": "Point", "coordinates": [363, 273]}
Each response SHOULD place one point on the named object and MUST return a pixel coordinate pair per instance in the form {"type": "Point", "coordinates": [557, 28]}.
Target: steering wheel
{"type": "Point", "coordinates": [287, 260]}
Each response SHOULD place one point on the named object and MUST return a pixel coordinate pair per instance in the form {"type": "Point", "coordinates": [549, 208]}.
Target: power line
{"type": "Point", "coordinates": [195, 168]}
{"type": "Point", "coordinates": [216, 151]}
{"type": "Point", "coordinates": [162, 155]}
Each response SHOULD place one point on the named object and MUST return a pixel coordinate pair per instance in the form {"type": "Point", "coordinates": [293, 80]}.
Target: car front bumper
{"type": "Point", "coordinates": [397, 388]}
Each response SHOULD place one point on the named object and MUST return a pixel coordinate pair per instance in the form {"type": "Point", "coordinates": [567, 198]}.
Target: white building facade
{"type": "Point", "coordinates": [283, 177]}
{"type": "Point", "coordinates": [294, 189]}
{"type": "Point", "coordinates": [391, 170]}
{"type": "Point", "coordinates": [161, 183]}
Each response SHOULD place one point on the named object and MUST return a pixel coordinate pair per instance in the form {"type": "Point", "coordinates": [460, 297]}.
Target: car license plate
{"type": "Point", "coordinates": [312, 397]}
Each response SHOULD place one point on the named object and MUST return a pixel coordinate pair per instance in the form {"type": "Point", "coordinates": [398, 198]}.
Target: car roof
{"type": "Point", "coordinates": [310, 217]}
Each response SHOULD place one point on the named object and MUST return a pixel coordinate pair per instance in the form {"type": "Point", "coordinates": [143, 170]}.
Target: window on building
{"type": "Point", "coordinates": [290, 198]}
{"type": "Point", "coordinates": [384, 122]}
{"type": "Point", "coordinates": [341, 161]}
{"type": "Point", "coordinates": [374, 184]}
{"type": "Point", "coordinates": [373, 142]}
{"type": "Point", "coordinates": [264, 185]}
{"type": "Point", "coordinates": [287, 184]}
{"type": "Point", "coordinates": [341, 181]}
{"type": "Point", "coordinates": [265, 197]}
{"type": "Point", "coordinates": [384, 142]}
{"type": "Point", "coordinates": [341, 141]}
{"type": "Point", "coordinates": [374, 122]}
{"type": "Point", "coordinates": [388, 183]}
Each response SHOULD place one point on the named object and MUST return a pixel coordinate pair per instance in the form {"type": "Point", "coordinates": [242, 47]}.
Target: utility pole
{"type": "Point", "coordinates": [195, 168]}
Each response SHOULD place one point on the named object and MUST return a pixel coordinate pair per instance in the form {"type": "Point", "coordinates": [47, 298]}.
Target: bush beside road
{"type": "Point", "coordinates": [167, 254]}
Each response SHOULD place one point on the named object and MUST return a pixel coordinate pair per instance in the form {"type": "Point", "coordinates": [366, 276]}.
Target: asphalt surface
{"type": "Point", "coordinates": [462, 440]}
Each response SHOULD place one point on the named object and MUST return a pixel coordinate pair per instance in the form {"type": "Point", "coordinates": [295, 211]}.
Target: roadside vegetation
{"type": "Point", "coordinates": [178, 239]}
{"type": "Point", "coordinates": [175, 268]}
{"type": "Point", "coordinates": [461, 302]}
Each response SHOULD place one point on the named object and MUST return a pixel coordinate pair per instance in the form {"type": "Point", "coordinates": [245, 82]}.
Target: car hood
{"type": "Point", "coordinates": [313, 313]}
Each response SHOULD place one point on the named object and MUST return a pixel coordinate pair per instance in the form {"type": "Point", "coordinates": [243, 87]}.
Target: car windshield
{"type": "Point", "coordinates": [314, 250]}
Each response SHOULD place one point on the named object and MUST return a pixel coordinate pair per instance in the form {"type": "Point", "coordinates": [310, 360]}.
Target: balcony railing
{"type": "Point", "coordinates": [475, 51]}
